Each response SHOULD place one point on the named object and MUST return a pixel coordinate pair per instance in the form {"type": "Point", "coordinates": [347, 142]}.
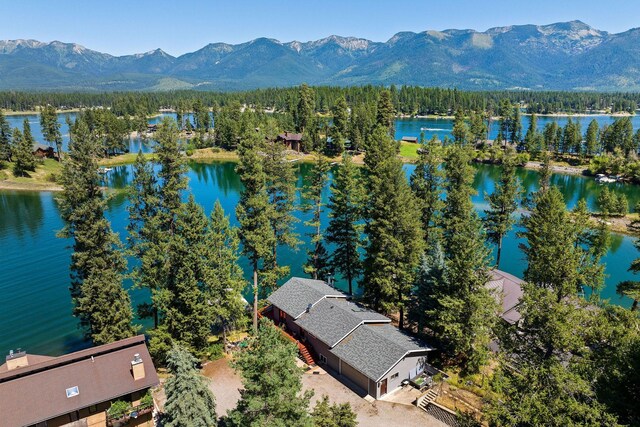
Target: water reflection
{"type": "Point", "coordinates": [20, 213]}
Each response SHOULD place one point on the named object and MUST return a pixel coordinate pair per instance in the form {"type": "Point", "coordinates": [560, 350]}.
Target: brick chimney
{"type": "Point", "coordinates": [137, 367]}
{"type": "Point", "coordinates": [16, 359]}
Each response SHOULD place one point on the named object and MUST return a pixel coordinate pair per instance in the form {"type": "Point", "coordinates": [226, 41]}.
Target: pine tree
{"type": "Point", "coordinates": [429, 277]}
{"type": "Point", "coordinates": [503, 203]}
{"type": "Point", "coordinates": [142, 228]}
{"type": "Point", "coordinates": [460, 130]}
{"type": "Point", "coordinates": [591, 138]}
{"type": "Point", "coordinates": [51, 127]}
{"type": "Point", "coordinates": [281, 188]}
{"type": "Point", "coordinates": [346, 204]}
{"type": "Point", "coordinates": [225, 281]}
{"type": "Point", "coordinates": [336, 415]}
{"type": "Point", "coordinates": [317, 264]}
{"type": "Point", "coordinates": [5, 140]}
{"type": "Point", "coordinates": [515, 128]}
{"type": "Point", "coordinates": [181, 301]}
{"type": "Point", "coordinates": [478, 128]}
{"type": "Point", "coordinates": [189, 403]}
{"type": "Point", "coordinates": [505, 112]}
{"type": "Point", "coordinates": [393, 227]}
{"type": "Point", "coordinates": [254, 212]}
{"type": "Point", "coordinates": [466, 310]}
{"type": "Point", "coordinates": [553, 260]}
{"type": "Point", "coordinates": [272, 394]}
{"type": "Point", "coordinates": [22, 154]}
{"type": "Point", "coordinates": [97, 265]}
{"type": "Point", "coordinates": [305, 109]}
{"type": "Point", "coordinates": [341, 116]}
{"type": "Point", "coordinates": [426, 183]}
{"type": "Point", "coordinates": [386, 113]}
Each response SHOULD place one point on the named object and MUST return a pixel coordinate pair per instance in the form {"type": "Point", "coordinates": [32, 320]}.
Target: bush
{"type": "Point", "coordinates": [118, 409]}
{"type": "Point", "coordinates": [147, 400]}
{"type": "Point", "coordinates": [522, 159]}
{"type": "Point", "coordinates": [215, 351]}
{"type": "Point", "coordinates": [215, 150]}
{"type": "Point", "coordinates": [612, 204]}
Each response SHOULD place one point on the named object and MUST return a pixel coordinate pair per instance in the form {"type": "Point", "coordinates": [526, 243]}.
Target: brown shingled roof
{"type": "Point", "coordinates": [35, 393]}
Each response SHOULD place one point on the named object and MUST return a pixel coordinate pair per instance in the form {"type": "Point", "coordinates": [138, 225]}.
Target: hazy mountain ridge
{"type": "Point", "coordinates": [566, 56]}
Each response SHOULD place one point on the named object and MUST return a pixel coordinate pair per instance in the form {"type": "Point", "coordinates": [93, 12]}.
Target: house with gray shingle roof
{"type": "Point", "coordinates": [354, 341]}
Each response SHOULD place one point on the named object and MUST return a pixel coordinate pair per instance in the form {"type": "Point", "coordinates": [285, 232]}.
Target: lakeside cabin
{"type": "Point", "coordinates": [411, 139]}
{"type": "Point", "coordinates": [77, 389]}
{"type": "Point", "coordinates": [43, 151]}
{"type": "Point", "coordinates": [359, 344]}
{"type": "Point", "coordinates": [293, 141]}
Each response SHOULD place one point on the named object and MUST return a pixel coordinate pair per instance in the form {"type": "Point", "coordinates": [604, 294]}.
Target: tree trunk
{"type": "Point", "coordinates": [634, 306]}
{"type": "Point", "coordinates": [59, 150]}
{"type": "Point", "coordinates": [499, 253]}
{"type": "Point", "coordinates": [401, 319]}
{"type": "Point", "coordinates": [255, 297]}
{"type": "Point", "coordinates": [350, 279]}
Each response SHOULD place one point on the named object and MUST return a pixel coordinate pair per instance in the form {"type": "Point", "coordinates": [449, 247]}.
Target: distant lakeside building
{"type": "Point", "coordinates": [77, 389]}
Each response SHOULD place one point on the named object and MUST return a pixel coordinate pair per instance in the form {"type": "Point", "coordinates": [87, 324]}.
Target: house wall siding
{"type": "Point", "coordinates": [356, 377]}
{"type": "Point", "coordinates": [321, 348]}
{"type": "Point", "coordinates": [407, 368]}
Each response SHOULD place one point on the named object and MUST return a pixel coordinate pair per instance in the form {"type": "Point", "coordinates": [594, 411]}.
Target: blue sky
{"type": "Point", "coordinates": [131, 26]}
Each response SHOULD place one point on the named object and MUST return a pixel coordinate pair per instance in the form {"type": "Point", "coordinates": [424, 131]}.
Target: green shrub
{"type": "Point", "coordinates": [118, 409]}
{"type": "Point", "coordinates": [215, 351]}
{"type": "Point", "coordinates": [147, 400]}
{"type": "Point", "coordinates": [215, 150]}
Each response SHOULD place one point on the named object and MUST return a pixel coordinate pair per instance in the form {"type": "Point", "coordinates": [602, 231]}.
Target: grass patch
{"type": "Point", "coordinates": [124, 159]}
{"type": "Point", "coordinates": [409, 150]}
{"type": "Point", "coordinates": [43, 178]}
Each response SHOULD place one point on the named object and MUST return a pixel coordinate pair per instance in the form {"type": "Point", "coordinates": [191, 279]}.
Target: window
{"type": "Point", "coordinates": [394, 376]}
{"type": "Point", "coordinates": [93, 409]}
{"type": "Point", "coordinates": [322, 358]}
{"type": "Point", "coordinates": [73, 391]}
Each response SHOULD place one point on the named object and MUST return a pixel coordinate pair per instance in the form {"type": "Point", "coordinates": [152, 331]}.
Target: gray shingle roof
{"type": "Point", "coordinates": [374, 349]}
{"type": "Point", "coordinates": [295, 296]}
{"type": "Point", "coordinates": [509, 293]}
{"type": "Point", "coordinates": [332, 319]}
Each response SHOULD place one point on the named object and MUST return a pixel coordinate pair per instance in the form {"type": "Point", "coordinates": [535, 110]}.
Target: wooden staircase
{"type": "Point", "coordinates": [427, 398]}
{"type": "Point", "coordinates": [304, 350]}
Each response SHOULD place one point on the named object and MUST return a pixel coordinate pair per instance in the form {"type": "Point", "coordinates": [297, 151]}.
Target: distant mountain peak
{"type": "Point", "coordinates": [565, 55]}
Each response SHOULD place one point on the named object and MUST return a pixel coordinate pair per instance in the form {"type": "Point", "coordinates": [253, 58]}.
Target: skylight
{"type": "Point", "coordinates": [73, 391]}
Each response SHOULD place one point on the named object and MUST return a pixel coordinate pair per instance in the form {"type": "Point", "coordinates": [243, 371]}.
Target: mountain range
{"type": "Point", "coordinates": [562, 56]}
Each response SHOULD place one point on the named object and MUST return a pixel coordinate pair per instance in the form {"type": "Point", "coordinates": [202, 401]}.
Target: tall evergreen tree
{"type": "Point", "coordinates": [386, 113]}
{"type": "Point", "coordinates": [272, 394]}
{"type": "Point", "coordinates": [346, 204]}
{"type": "Point", "coordinates": [317, 264]}
{"type": "Point", "coordinates": [393, 228]}
{"type": "Point", "coordinates": [430, 275]}
{"type": "Point", "coordinates": [22, 154]}
{"type": "Point", "coordinates": [254, 212]}
{"type": "Point", "coordinates": [51, 128]}
{"type": "Point", "coordinates": [97, 265]}
{"type": "Point", "coordinates": [478, 128]}
{"type": "Point", "coordinates": [591, 138]}
{"type": "Point", "coordinates": [515, 128]}
{"type": "Point", "coordinates": [305, 108]}
{"type": "Point", "coordinates": [280, 184]}
{"type": "Point", "coordinates": [465, 310]}
{"type": "Point", "coordinates": [5, 139]}
{"type": "Point", "coordinates": [225, 281]}
{"type": "Point", "coordinates": [189, 403]}
{"type": "Point", "coordinates": [426, 183]}
{"type": "Point", "coordinates": [341, 116]}
{"type": "Point", "coordinates": [503, 203]}
{"type": "Point", "coordinates": [460, 130]}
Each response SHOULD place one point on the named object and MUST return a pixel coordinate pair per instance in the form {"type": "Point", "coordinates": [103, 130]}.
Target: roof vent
{"type": "Point", "coordinates": [309, 307]}
{"type": "Point", "coordinates": [72, 391]}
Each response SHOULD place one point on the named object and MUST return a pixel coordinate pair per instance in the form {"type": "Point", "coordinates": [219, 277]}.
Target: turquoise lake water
{"type": "Point", "coordinates": [35, 311]}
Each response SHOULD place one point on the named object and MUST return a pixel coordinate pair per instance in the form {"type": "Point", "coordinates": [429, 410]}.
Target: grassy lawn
{"type": "Point", "coordinates": [42, 179]}
{"type": "Point", "coordinates": [409, 150]}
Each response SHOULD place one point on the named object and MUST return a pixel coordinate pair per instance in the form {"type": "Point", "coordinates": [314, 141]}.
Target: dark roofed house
{"type": "Point", "coordinates": [43, 151]}
{"type": "Point", "coordinates": [293, 141]}
{"type": "Point", "coordinates": [412, 139]}
{"type": "Point", "coordinates": [354, 341]}
{"type": "Point", "coordinates": [78, 388]}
